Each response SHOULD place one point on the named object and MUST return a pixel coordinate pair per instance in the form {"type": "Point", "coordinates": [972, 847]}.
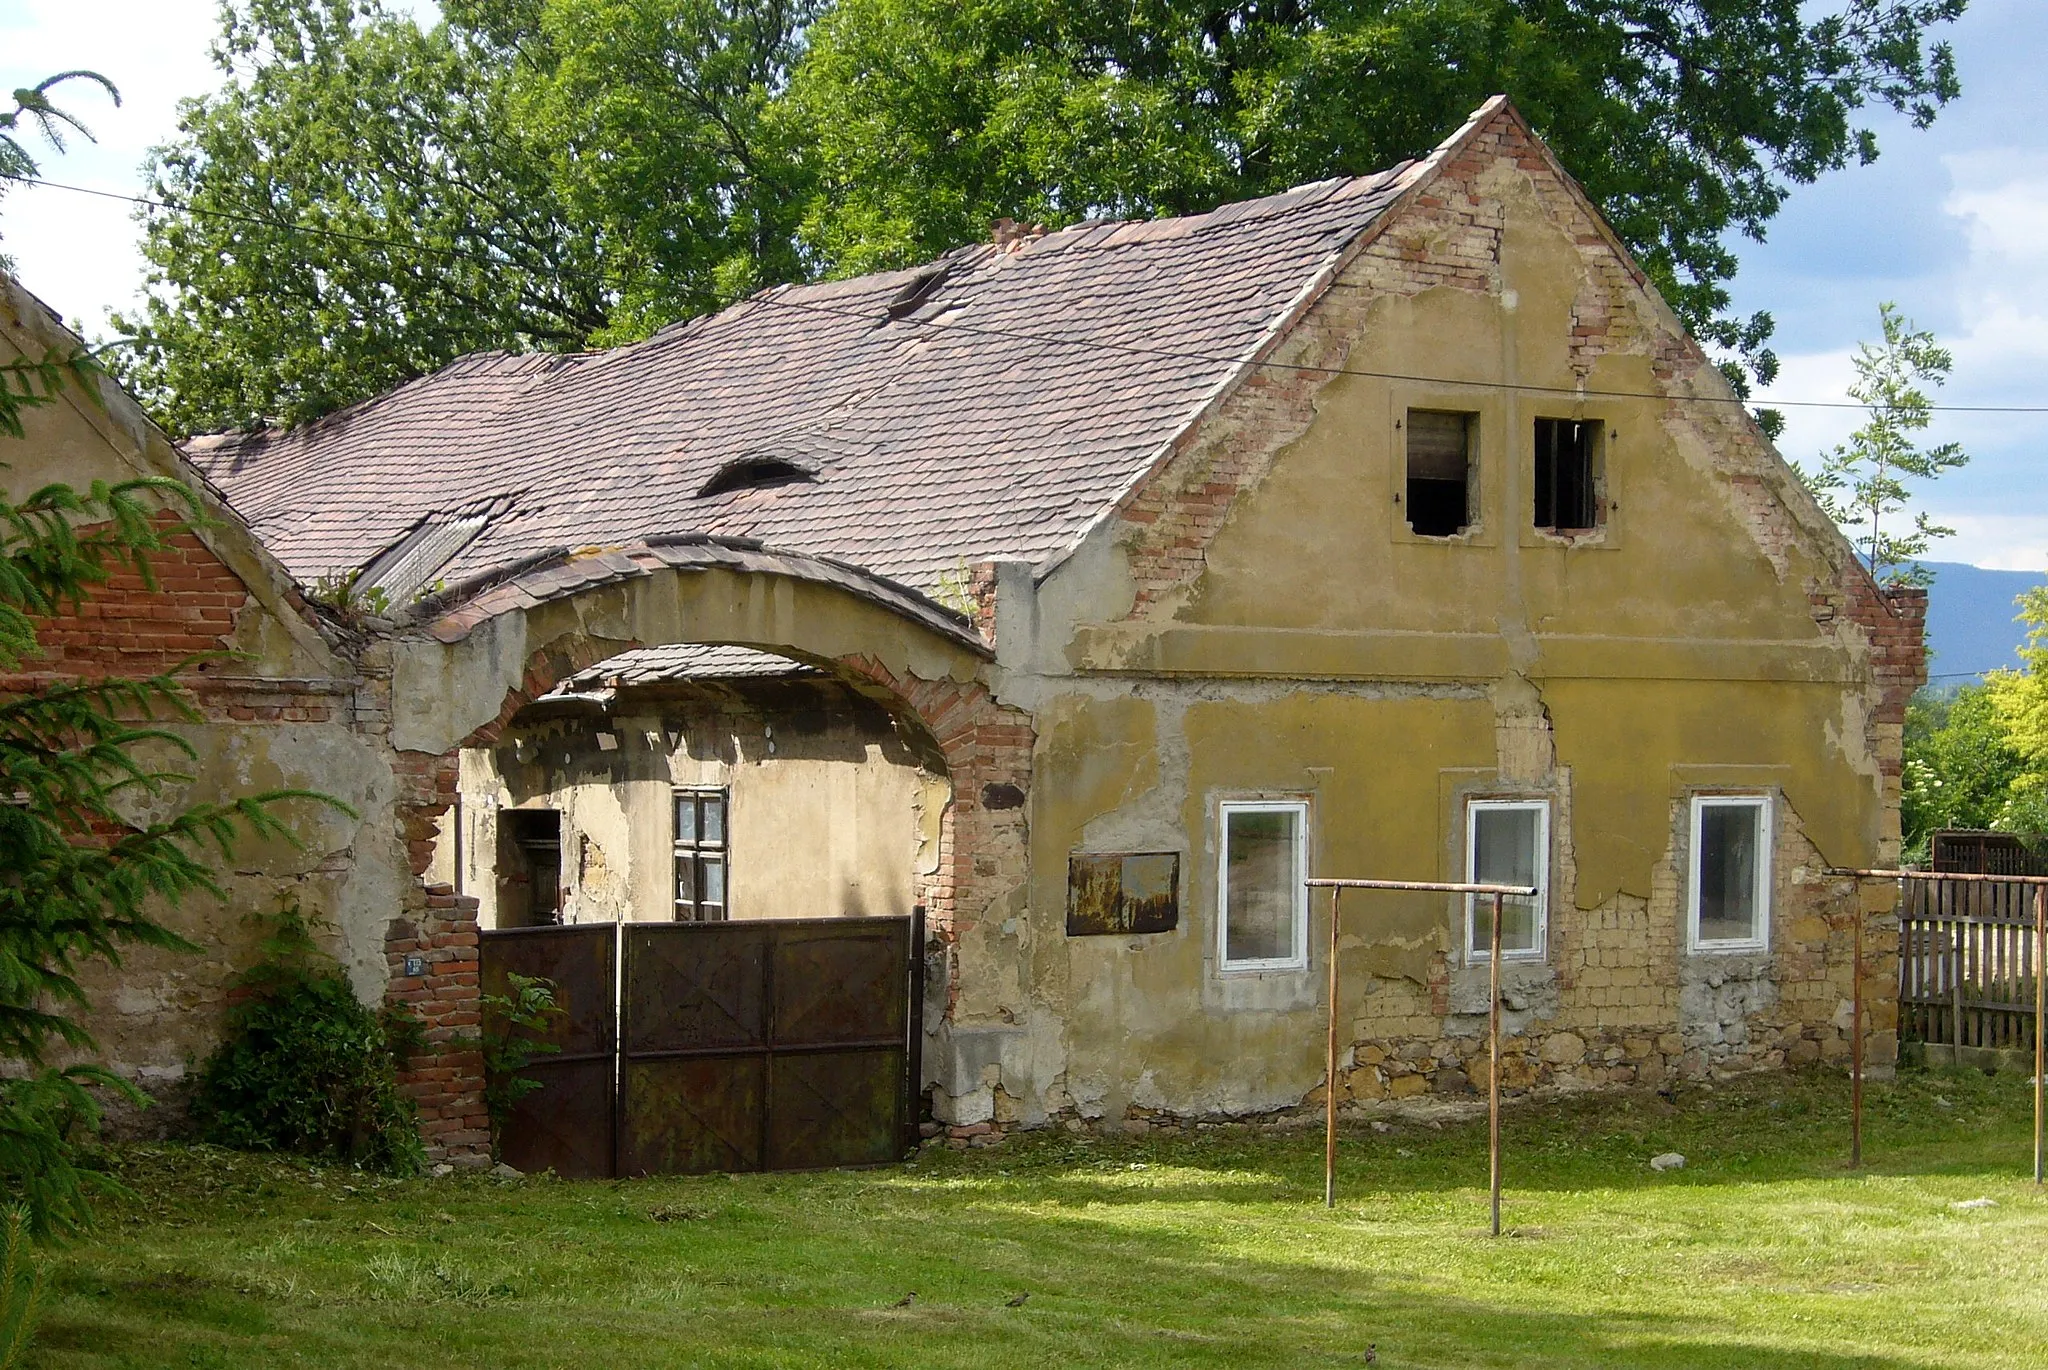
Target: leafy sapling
{"type": "Point", "coordinates": [1862, 483]}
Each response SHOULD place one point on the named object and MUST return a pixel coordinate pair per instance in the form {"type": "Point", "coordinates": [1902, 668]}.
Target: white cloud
{"type": "Point", "coordinates": [1997, 299]}
{"type": "Point", "coordinates": [2001, 542]}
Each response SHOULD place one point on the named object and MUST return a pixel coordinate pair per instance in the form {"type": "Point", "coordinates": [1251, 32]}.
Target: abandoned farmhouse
{"type": "Point", "coordinates": [1064, 603]}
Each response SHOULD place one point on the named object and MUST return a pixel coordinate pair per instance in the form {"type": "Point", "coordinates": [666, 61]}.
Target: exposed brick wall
{"type": "Point", "coordinates": [128, 628]}
{"type": "Point", "coordinates": [446, 1080]}
{"type": "Point", "coordinates": [984, 850]}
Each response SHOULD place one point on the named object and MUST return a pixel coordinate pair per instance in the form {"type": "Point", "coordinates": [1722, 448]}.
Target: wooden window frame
{"type": "Point", "coordinates": [693, 855]}
{"type": "Point", "coordinates": [1595, 434]}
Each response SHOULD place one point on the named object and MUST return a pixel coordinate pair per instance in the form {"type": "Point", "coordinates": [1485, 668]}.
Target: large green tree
{"type": "Point", "coordinates": [1687, 120]}
{"type": "Point", "coordinates": [363, 201]}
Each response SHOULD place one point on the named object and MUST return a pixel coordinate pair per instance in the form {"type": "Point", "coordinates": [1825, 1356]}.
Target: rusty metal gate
{"type": "Point", "coordinates": [750, 1045]}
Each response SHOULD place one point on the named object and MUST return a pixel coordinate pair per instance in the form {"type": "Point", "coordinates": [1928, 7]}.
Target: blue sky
{"type": "Point", "coordinates": [1951, 223]}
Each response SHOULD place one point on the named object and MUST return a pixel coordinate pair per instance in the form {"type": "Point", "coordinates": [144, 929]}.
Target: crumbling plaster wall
{"type": "Point", "coordinates": [1258, 619]}
{"type": "Point", "coordinates": [277, 709]}
{"type": "Point", "coordinates": [459, 682]}
{"type": "Point", "coordinates": [830, 813]}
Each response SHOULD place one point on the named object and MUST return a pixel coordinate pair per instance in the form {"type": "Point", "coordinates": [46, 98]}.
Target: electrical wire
{"type": "Point", "coordinates": [770, 298]}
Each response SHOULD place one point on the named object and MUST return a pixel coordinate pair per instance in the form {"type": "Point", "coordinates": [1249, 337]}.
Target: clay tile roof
{"type": "Point", "coordinates": [987, 406]}
{"type": "Point", "coordinates": [684, 661]}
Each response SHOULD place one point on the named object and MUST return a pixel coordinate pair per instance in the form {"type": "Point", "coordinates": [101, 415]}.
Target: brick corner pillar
{"type": "Point", "coordinates": [432, 957]}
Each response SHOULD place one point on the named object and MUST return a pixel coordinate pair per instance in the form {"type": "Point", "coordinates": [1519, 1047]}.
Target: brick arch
{"type": "Point", "coordinates": [982, 746]}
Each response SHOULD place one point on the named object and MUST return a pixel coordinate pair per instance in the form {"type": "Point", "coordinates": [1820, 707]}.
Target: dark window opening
{"type": "Point", "coordinates": [529, 868]}
{"type": "Point", "coordinates": [1439, 472]}
{"type": "Point", "coordinates": [1567, 493]}
{"type": "Point", "coordinates": [754, 473]}
{"type": "Point", "coordinates": [701, 856]}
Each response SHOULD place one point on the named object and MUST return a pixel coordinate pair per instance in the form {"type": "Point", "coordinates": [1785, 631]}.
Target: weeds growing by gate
{"type": "Point", "coordinates": [511, 1042]}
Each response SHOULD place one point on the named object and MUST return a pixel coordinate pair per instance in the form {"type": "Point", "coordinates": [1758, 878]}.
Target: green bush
{"type": "Point", "coordinates": [307, 1067]}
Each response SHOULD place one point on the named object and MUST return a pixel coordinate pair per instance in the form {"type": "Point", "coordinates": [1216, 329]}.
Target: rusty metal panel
{"type": "Point", "coordinates": [765, 1044]}
{"type": "Point", "coordinates": [835, 1108]}
{"type": "Point", "coordinates": [840, 981]}
{"type": "Point", "coordinates": [688, 1114]}
{"type": "Point", "coordinates": [1119, 893]}
{"type": "Point", "coordinates": [568, 1124]}
{"type": "Point", "coordinates": [692, 986]}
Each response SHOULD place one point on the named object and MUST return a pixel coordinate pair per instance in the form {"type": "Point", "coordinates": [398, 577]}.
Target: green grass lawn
{"type": "Point", "coordinates": [1209, 1249]}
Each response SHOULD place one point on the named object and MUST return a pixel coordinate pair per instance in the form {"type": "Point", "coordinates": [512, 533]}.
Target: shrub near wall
{"type": "Point", "coordinates": [305, 1066]}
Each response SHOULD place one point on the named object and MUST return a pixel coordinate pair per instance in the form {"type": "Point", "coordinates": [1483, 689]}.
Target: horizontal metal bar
{"type": "Point", "coordinates": [544, 930]}
{"type": "Point", "coordinates": [779, 1049]}
{"type": "Point", "coordinates": [1936, 877]}
{"type": "Point", "coordinates": [566, 1058]}
{"type": "Point", "coordinates": [876, 922]}
{"type": "Point", "coordinates": [1427, 887]}
{"type": "Point", "coordinates": [1911, 923]}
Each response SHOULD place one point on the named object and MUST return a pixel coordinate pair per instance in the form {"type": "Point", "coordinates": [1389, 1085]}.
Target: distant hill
{"type": "Point", "coordinates": [1970, 621]}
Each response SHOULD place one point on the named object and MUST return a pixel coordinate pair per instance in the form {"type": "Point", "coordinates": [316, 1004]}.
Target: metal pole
{"type": "Point", "coordinates": [1493, 1080]}
{"type": "Point", "coordinates": [1330, 1079]}
{"type": "Point", "coordinates": [2040, 1014]}
{"type": "Point", "coordinates": [1856, 1048]}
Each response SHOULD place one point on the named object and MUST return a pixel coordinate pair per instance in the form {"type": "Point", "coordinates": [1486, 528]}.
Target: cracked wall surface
{"type": "Point", "coordinates": [1259, 620]}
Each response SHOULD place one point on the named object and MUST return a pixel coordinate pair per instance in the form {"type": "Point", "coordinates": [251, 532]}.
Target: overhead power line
{"type": "Point", "coordinates": [982, 330]}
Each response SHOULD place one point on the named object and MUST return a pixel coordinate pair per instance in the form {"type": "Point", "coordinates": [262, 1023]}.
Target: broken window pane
{"type": "Point", "coordinates": [1439, 494]}
{"type": "Point", "coordinates": [1264, 901]}
{"type": "Point", "coordinates": [1507, 843]}
{"type": "Point", "coordinates": [1731, 862]}
{"type": "Point", "coordinates": [1567, 495]}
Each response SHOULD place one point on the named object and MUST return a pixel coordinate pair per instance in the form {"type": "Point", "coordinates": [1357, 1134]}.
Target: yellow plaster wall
{"type": "Point", "coordinates": [1319, 648]}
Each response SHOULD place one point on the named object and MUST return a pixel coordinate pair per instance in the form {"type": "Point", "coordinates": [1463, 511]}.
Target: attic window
{"type": "Point", "coordinates": [1439, 472]}
{"type": "Point", "coordinates": [1567, 475]}
{"type": "Point", "coordinates": [754, 473]}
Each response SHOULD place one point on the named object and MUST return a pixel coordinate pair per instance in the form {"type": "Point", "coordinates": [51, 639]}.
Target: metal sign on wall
{"type": "Point", "coordinates": [1122, 892]}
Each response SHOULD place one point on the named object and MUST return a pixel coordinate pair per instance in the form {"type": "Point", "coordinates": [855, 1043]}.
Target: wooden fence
{"type": "Point", "coordinates": [1966, 965]}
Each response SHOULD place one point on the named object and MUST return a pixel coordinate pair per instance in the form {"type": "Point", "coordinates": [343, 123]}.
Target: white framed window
{"type": "Point", "coordinates": [1261, 897]}
{"type": "Point", "coordinates": [1728, 897]}
{"type": "Point", "coordinates": [1507, 842]}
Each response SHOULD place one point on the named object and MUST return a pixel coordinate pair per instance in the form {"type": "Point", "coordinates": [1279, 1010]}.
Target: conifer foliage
{"type": "Point", "coordinates": [78, 881]}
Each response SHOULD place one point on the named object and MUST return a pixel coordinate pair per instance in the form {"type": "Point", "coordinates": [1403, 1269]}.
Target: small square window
{"type": "Point", "coordinates": [701, 856]}
{"type": "Point", "coordinates": [1261, 894]}
{"type": "Point", "coordinates": [1567, 475]}
{"type": "Point", "coordinates": [1439, 494]}
{"type": "Point", "coordinates": [1729, 896]}
{"type": "Point", "coordinates": [1507, 842]}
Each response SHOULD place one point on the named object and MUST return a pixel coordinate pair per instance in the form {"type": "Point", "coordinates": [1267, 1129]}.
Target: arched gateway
{"type": "Point", "coordinates": [459, 676]}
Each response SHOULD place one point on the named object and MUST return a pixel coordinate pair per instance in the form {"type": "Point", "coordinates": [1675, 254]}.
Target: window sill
{"type": "Point", "coordinates": [1727, 948]}
{"type": "Point", "coordinates": [1238, 970]}
{"type": "Point", "coordinates": [1507, 958]}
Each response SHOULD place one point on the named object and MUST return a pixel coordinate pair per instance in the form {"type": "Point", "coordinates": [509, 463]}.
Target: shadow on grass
{"type": "Point", "coordinates": [1761, 1129]}
{"type": "Point", "coordinates": [809, 1270]}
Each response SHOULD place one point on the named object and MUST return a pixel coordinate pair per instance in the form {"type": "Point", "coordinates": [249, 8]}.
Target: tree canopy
{"type": "Point", "coordinates": [363, 200]}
